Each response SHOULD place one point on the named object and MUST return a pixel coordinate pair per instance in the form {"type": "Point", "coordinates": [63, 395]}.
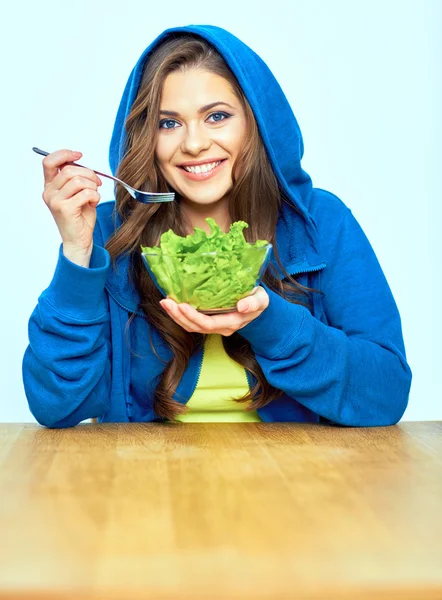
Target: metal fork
{"type": "Point", "coordinates": [144, 197]}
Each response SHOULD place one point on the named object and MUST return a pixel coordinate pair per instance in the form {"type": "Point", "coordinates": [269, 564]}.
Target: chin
{"type": "Point", "coordinates": [202, 197]}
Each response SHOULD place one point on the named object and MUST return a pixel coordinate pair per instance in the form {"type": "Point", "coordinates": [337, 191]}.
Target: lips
{"type": "Point", "coordinates": [196, 163]}
{"type": "Point", "coordinates": [202, 176]}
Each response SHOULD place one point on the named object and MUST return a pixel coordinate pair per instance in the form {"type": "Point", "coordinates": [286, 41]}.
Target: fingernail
{"type": "Point", "coordinates": [76, 153]}
{"type": "Point", "coordinates": [245, 307]}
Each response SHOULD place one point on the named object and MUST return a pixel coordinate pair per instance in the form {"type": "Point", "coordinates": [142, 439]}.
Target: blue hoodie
{"type": "Point", "coordinates": [342, 362]}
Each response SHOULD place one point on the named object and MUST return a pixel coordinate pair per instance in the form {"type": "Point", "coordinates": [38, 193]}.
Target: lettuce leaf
{"type": "Point", "coordinates": [184, 269]}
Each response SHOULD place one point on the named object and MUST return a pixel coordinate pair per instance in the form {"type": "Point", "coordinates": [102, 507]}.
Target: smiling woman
{"type": "Point", "coordinates": [319, 339]}
{"type": "Point", "coordinates": [183, 84]}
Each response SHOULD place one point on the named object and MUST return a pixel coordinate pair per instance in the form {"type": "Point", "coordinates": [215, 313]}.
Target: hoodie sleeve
{"type": "Point", "coordinates": [353, 371]}
{"type": "Point", "coordinates": [66, 366]}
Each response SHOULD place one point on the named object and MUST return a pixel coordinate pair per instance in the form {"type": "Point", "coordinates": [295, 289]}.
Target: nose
{"type": "Point", "coordinates": [195, 140]}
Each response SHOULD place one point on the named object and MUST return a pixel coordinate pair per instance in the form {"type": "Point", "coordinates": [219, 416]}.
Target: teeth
{"type": "Point", "coordinates": [202, 168]}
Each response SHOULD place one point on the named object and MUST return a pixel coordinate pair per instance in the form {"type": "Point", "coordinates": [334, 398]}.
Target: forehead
{"type": "Point", "coordinates": [195, 88]}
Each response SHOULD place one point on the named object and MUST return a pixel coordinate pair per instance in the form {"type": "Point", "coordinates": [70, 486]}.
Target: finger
{"type": "Point", "coordinates": [189, 324]}
{"type": "Point", "coordinates": [53, 161]}
{"type": "Point", "coordinates": [257, 301]}
{"type": "Point", "coordinates": [67, 209]}
{"type": "Point", "coordinates": [76, 184]}
{"type": "Point", "coordinates": [69, 171]}
{"type": "Point", "coordinates": [198, 320]}
{"type": "Point", "coordinates": [173, 310]}
{"type": "Point", "coordinates": [225, 323]}
{"type": "Point", "coordinates": [88, 196]}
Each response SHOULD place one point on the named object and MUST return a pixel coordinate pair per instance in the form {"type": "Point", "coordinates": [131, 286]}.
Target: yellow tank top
{"type": "Point", "coordinates": [221, 379]}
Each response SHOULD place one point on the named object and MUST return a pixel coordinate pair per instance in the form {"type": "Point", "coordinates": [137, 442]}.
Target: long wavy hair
{"type": "Point", "coordinates": [255, 198]}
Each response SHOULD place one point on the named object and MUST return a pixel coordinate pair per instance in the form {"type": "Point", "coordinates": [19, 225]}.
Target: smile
{"type": "Point", "coordinates": [202, 168]}
{"type": "Point", "coordinates": [204, 171]}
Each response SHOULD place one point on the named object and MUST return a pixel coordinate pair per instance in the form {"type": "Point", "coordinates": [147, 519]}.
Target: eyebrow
{"type": "Point", "coordinates": [201, 110]}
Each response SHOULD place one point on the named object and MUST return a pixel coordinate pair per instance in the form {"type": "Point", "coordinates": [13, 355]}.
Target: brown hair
{"type": "Point", "coordinates": [255, 192]}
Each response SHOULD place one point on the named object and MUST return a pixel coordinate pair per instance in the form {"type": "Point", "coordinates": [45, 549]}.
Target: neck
{"type": "Point", "coordinates": [194, 215]}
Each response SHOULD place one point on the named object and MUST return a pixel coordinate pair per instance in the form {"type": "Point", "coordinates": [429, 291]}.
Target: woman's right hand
{"type": "Point", "coordinates": [71, 195]}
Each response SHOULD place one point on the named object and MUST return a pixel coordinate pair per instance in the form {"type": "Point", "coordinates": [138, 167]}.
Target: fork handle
{"type": "Point", "coordinates": [44, 153]}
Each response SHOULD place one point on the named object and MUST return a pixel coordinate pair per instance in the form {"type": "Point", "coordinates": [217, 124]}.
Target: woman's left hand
{"type": "Point", "coordinates": [190, 319]}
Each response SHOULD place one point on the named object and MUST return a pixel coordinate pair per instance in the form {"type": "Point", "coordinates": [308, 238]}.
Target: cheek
{"type": "Point", "coordinates": [163, 151]}
{"type": "Point", "coordinates": [234, 139]}
{"type": "Point", "coordinates": [239, 142]}
{"type": "Point", "coordinates": [242, 134]}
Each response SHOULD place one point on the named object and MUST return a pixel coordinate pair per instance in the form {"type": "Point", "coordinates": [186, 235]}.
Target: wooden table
{"type": "Point", "coordinates": [221, 511]}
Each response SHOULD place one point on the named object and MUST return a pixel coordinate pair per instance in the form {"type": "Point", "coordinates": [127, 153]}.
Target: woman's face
{"type": "Point", "coordinates": [202, 129]}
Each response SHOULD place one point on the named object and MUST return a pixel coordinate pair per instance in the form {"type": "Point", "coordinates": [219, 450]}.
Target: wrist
{"type": "Point", "coordinates": [78, 256]}
{"type": "Point", "coordinates": [77, 292]}
{"type": "Point", "coordinates": [271, 333]}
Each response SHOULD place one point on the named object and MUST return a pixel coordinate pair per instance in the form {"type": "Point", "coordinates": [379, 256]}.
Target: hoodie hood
{"type": "Point", "coordinates": [277, 124]}
{"type": "Point", "coordinates": [296, 231]}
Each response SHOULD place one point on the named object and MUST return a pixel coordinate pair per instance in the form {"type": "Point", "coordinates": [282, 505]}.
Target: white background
{"type": "Point", "coordinates": [363, 78]}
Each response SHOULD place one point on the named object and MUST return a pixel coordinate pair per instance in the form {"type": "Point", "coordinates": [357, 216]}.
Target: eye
{"type": "Point", "coordinates": [219, 116]}
{"type": "Point", "coordinates": [168, 124]}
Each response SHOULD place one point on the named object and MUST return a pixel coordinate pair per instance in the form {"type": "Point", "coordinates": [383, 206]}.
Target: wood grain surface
{"type": "Point", "coordinates": [221, 511]}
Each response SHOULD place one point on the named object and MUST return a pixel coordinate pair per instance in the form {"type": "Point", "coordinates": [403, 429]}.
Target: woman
{"type": "Point", "coordinates": [321, 338]}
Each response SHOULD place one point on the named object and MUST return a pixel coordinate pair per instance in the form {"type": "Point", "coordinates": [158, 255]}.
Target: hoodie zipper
{"type": "Point", "coordinates": [129, 310]}
{"type": "Point", "coordinates": [309, 269]}
{"type": "Point", "coordinates": [200, 368]}
{"type": "Point", "coordinates": [249, 381]}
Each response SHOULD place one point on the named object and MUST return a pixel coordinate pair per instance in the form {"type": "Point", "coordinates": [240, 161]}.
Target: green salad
{"type": "Point", "coordinates": [207, 270]}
